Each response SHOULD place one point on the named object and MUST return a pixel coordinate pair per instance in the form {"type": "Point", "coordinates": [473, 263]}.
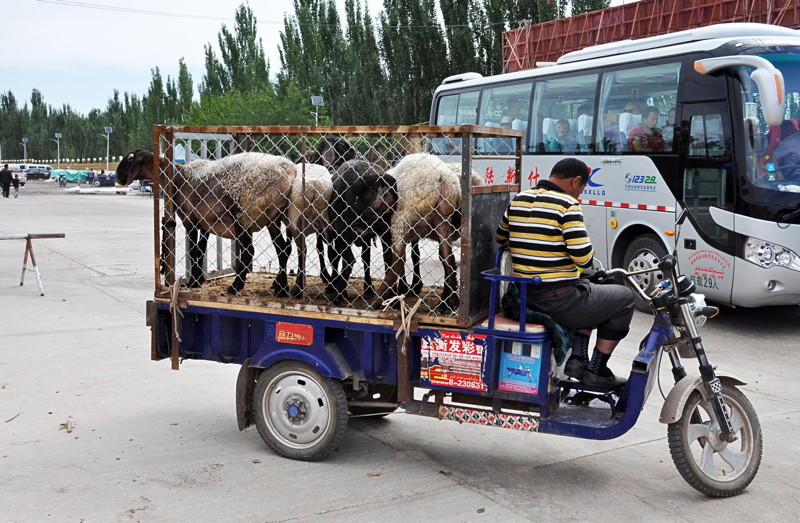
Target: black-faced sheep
{"type": "Point", "coordinates": [332, 152]}
{"type": "Point", "coordinates": [233, 197]}
{"type": "Point", "coordinates": [429, 202]}
{"type": "Point", "coordinates": [363, 200]}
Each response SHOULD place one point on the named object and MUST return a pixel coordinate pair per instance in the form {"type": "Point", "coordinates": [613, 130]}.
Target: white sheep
{"type": "Point", "coordinates": [429, 207]}
{"type": "Point", "coordinates": [233, 197]}
{"type": "Point", "coordinates": [308, 214]}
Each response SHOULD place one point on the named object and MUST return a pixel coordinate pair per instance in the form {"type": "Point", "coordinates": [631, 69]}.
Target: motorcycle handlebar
{"type": "Point", "coordinates": [667, 264]}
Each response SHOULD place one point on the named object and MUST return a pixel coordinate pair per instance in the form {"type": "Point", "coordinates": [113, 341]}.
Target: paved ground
{"type": "Point", "coordinates": [92, 430]}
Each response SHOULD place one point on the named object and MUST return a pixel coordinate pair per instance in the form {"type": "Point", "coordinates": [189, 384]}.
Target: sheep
{"type": "Point", "coordinates": [332, 153]}
{"type": "Point", "coordinates": [429, 202]}
{"type": "Point", "coordinates": [455, 220]}
{"type": "Point", "coordinates": [361, 205]}
{"type": "Point", "coordinates": [307, 214]}
{"type": "Point", "coordinates": [233, 197]}
{"type": "Point", "coordinates": [308, 210]}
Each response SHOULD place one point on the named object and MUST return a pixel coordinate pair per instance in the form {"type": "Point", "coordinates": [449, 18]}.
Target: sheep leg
{"type": "Point", "coordinates": [244, 258]}
{"type": "Point", "coordinates": [283, 246]}
{"type": "Point", "coordinates": [300, 280]}
{"type": "Point", "coordinates": [448, 259]}
{"type": "Point", "coordinates": [416, 283]}
{"type": "Point", "coordinates": [366, 256]}
{"type": "Point", "coordinates": [323, 269]}
{"type": "Point", "coordinates": [342, 265]}
{"type": "Point", "coordinates": [395, 276]}
{"type": "Point", "coordinates": [199, 243]}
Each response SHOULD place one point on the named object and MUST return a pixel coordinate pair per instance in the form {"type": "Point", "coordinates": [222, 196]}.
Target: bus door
{"type": "Point", "coordinates": [705, 247]}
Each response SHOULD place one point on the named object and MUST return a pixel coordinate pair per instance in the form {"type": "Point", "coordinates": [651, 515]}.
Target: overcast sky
{"type": "Point", "coordinates": [79, 51]}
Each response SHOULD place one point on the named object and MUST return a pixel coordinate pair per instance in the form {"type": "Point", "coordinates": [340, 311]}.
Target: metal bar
{"type": "Point", "coordinates": [466, 224]}
{"type": "Point", "coordinates": [29, 252]}
{"type": "Point", "coordinates": [29, 248]}
{"type": "Point", "coordinates": [354, 131]}
{"type": "Point", "coordinates": [169, 212]}
{"type": "Point", "coordinates": [24, 264]}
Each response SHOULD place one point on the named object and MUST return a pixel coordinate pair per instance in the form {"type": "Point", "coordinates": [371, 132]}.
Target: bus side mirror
{"type": "Point", "coordinates": [767, 77]}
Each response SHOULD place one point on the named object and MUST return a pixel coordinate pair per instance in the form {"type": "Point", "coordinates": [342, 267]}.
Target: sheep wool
{"type": "Point", "coordinates": [258, 184]}
{"type": "Point", "coordinates": [428, 191]}
{"type": "Point", "coordinates": [313, 204]}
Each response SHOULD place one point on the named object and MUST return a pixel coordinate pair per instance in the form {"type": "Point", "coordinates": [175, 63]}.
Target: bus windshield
{"type": "Point", "coordinates": [772, 152]}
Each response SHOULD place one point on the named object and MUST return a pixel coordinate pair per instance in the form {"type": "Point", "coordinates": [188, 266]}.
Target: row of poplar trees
{"type": "Point", "coordinates": [370, 69]}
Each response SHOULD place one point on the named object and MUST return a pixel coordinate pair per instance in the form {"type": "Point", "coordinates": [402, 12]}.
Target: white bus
{"type": "Point", "coordinates": [727, 150]}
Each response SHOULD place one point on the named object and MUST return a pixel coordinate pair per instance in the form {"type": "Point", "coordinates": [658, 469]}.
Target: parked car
{"type": "Point", "coordinates": [143, 186]}
{"type": "Point", "coordinates": [39, 172]}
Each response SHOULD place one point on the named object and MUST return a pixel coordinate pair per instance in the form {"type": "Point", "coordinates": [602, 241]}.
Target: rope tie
{"type": "Point", "coordinates": [405, 313]}
{"type": "Point", "coordinates": [174, 310]}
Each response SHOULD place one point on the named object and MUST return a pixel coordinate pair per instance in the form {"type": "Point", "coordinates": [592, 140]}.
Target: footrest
{"type": "Point", "coordinates": [585, 394]}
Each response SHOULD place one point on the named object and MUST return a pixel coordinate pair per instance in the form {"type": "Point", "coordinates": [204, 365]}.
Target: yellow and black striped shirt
{"type": "Point", "coordinates": [544, 229]}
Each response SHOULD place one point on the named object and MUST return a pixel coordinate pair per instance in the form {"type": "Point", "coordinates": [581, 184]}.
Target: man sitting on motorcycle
{"type": "Point", "coordinates": [544, 230]}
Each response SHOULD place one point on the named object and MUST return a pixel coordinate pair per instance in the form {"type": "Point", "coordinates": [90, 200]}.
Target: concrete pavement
{"type": "Point", "coordinates": [92, 430]}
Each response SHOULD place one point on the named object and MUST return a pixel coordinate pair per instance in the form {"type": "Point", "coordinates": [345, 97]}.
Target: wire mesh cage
{"type": "Point", "coordinates": [329, 219]}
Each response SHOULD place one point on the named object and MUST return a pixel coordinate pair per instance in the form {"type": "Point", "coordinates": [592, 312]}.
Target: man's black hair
{"type": "Point", "coordinates": [649, 109]}
{"type": "Point", "coordinates": [570, 168]}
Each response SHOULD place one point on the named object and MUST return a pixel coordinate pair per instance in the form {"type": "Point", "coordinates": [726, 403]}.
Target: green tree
{"type": "Point", "coordinates": [185, 88]}
{"type": "Point", "coordinates": [264, 107]}
{"type": "Point", "coordinates": [461, 41]}
{"type": "Point", "coordinates": [414, 52]}
{"type": "Point", "coordinates": [154, 100]}
{"type": "Point", "coordinates": [587, 6]}
{"type": "Point", "coordinates": [243, 66]}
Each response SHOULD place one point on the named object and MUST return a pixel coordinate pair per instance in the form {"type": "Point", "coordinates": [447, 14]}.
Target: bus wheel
{"type": "Point", "coordinates": [299, 413]}
{"type": "Point", "coordinates": [644, 253]}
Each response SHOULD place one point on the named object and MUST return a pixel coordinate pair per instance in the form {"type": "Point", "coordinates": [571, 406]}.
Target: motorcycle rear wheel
{"type": "Point", "coordinates": [705, 460]}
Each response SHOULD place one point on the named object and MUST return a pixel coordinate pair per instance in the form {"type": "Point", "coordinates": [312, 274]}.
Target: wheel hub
{"type": "Point", "coordinates": [296, 410]}
{"type": "Point", "coordinates": [640, 263]}
{"type": "Point", "coordinates": [715, 438]}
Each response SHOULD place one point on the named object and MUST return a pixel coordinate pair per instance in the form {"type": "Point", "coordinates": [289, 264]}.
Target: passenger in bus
{"type": "Point", "coordinates": [646, 137]}
{"type": "Point", "coordinates": [556, 255]}
{"type": "Point", "coordinates": [668, 129]}
{"type": "Point", "coordinates": [561, 142]}
{"type": "Point", "coordinates": [787, 153]}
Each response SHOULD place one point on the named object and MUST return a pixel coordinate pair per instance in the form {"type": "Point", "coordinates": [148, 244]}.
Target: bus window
{"type": "Point", "coordinates": [707, 175]}
{"type": "Point", "coordinates": [564, 114]}
{"type": "Point", "coordinates": [507, 107]}
{"type": "Point", "coordinates": [457, 109]}
{"type": "Point", "coordinates": [624, 95]}
{"type": "Point", "coordinates": [448, 107]}
{"type": "Point", "coordinates": [705, 134]}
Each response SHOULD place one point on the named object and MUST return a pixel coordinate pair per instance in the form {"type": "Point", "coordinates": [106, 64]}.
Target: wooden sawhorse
{"type": "Point", "coordinates": [29, 252]}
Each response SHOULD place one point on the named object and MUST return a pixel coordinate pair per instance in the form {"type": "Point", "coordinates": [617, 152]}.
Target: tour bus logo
{"type": "Point", "coordinates": [593, 187]}
{"type": "Point", "coordinates": [640, 182]}
{"type": "Point", "coordinates": [591, 182]}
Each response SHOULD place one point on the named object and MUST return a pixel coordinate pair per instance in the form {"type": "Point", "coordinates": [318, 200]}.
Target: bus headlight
{"type": "Point", "coordinates": [768, 255]}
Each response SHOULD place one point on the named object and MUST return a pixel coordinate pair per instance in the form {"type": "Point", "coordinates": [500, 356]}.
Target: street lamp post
{"type": "Point", "coordinates": [316, 101]}
{"type": "Point", "coordinates": [24, 145]}
{"type": "Point", "coordinates": [1, 150]}
{"type": "Point", "coordinates": [107, 135]}
{"type": "Point", "coordinates": [58, 147]}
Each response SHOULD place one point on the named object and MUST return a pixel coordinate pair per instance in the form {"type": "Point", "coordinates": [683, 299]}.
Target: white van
{"type": "Point", "coordinates": [16, 168]}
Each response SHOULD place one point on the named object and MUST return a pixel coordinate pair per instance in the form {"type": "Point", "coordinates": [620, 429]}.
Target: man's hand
{"type": "Point", "coordinates": [599, 276]}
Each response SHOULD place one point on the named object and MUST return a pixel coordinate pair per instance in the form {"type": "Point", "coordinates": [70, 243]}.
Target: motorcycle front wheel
{"type": "Point", "coordinates": [705, 460]}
